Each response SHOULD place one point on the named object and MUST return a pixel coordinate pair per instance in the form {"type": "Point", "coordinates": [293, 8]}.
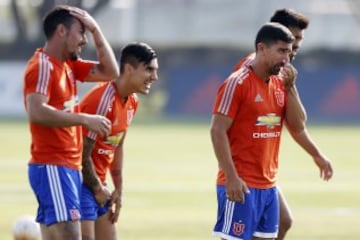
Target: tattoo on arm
{"type": "Point", "coordinates": [93, 70]}
{"type": "Point", "coordinates": [88, 170]}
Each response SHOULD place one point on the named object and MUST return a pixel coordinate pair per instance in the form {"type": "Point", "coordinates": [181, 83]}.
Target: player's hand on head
{"type": "Point", "coordinates": [99, 124]}
{"type": "Point", "coordinates": [84, 17]}
{"type": "Point", "coordinates": [288, 75]}
{"type": "Point", "coordinates": [325, 167]}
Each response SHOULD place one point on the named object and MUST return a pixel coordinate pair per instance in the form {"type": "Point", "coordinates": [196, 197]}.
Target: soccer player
{"type": "Point", "coordinates": [296, 114]}
{"type": "Point", "coordinates": [50, 97]}
{"type": "Point", "coordinates": [118, 102]}
{"type": "Point", "coordinates": [246, 127]}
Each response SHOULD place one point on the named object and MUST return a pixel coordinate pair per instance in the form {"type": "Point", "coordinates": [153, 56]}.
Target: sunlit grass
{"type": "Point", "coordinates": [169, 183]}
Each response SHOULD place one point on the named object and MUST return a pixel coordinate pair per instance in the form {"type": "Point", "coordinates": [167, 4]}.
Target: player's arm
{"type": "Point", "coordinates": [304, 140]}
{"type": "Point", "coordinates": [40, 112]}
{"type": "Point", "coordinates": [117, 178]}
{"type": "Point", "coordinates": [106, 69]}
{"type": "Point", "coordinates": [90, 178]}
{"type": "Point", "coordinates": [235, 187]}
{"type": "Point", "coordinates": [295, 119]}
{"type": "Point", "coordinates": [295, 112]}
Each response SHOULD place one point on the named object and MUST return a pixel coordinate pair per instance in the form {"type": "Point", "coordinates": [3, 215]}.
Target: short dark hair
{"type": "Point", "coordinates": [57, 15]}
{"type": "Point", "coordinates": [271, 32]}
{"type": "Point", "coordinates": [290, 18]}
{"type": "Point", "coordinates": [135, 53]}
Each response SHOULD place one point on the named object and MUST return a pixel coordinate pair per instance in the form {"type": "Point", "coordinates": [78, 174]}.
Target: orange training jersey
{"type": "Point", "coordinates": [104, 100]}
{"type": "Point", "coordinates": [257, 110]}
{"type": "Point", "coordinates": [55, 80]}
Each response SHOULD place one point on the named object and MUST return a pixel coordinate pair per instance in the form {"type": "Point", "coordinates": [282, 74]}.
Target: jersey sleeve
{"type": "Point", "coordinates": [81, 68]}
{"type": "Point", "coordinates": [38, 76]}
{"type": "Point", "coordinates": [230, 93]}
{"type": "Point", "coordinates": [97, 101]}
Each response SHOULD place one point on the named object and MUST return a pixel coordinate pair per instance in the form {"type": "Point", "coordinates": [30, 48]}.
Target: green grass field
{"type": "Point", "coordinates": [169, 183]}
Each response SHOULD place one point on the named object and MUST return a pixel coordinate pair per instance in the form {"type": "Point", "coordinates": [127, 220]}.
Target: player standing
{"type": "Point", "coordinates": [50, 97]}
{"type": "Point", "coordinates": [245, 131]}
{"type": "Point", "coordinates": [296, 117]}
{"type": "Point", "coordinates": [118, 102]}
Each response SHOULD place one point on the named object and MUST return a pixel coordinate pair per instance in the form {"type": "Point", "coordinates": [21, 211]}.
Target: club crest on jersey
{"type": "Point", "coordinates": [280, 97]}
{"type": "Point", "coordinates": [270, 120]}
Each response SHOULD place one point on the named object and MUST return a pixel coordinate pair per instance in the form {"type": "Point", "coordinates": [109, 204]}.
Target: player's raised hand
{"type": "Point", "coordinates": [288, 75]}
{"type": "Point", "coordinates": [324, 165]}
{"type": "Point", "coordinates": [97, 123]}
{"type": "Point", "coordinates": [84, 17]}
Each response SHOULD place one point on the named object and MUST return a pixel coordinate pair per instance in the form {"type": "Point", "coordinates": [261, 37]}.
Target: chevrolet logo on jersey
{"type": "Point", "coordinates": [114, 139]}
{"type": "Point", "coordinates": [270, 120]}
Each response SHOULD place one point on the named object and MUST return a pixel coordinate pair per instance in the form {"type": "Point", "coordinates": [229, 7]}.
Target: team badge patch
{"type": "Point", "coordinates": [75, 214]}
{"type": "Point", "coordinates": [238, 228]}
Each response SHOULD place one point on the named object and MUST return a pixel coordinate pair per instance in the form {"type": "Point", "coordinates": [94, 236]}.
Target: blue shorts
{"type": "Point", "coordinates": [258, 216]}
{"type": "Point", "coordinates": [57, 190]}
{"type": "Point", "coordinates": [90, 209]}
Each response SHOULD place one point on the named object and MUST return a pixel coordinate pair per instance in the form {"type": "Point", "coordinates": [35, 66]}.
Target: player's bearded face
{"type": "Point", "coordinates": [73, 56]}
{"type": "Point", "coordinates": [276, 64]}
{"type": "Point", "coordinates": [275, 69]}
{"type": "Point", "coordinates": [277, 56]}
{"type": "Point", "coordinates": [76, 39]}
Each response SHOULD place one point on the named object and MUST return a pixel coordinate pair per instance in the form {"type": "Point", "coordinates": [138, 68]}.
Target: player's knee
{"type": "Point", "coordinates": [68, 230]}
{"type": "Point", "coordinates": [286, 222]}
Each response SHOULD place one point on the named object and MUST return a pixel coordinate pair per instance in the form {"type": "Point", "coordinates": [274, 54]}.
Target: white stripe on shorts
{"type": "Point", "coordinates": [228, 215]}
{"type": "Point", "coordinates": [57, 193]}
